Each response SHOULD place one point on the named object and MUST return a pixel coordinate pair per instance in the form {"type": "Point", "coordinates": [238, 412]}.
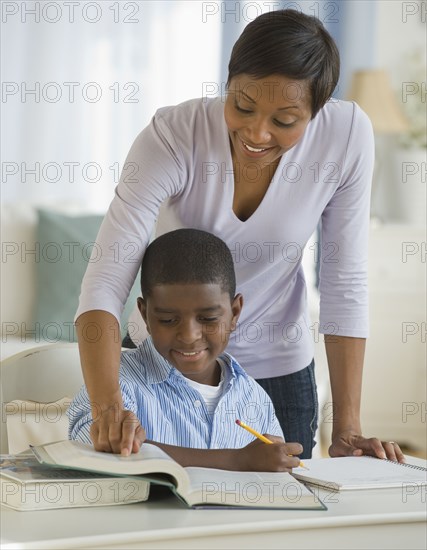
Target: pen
{"type": "Point", "coordinates": [261, 437]}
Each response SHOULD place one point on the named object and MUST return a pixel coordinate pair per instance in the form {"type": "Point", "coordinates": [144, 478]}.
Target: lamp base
{"type": "Point", "coordinates": [399, 194]}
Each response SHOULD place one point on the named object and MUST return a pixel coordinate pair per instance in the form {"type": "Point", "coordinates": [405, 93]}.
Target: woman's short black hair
{"type": "Point", "coordinates": [291, 44]}
{"type": "Point", "coordinates": [188, 256]}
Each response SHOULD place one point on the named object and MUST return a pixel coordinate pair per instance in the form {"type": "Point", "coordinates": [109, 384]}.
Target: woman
{"type": "Point", "coordinates": [260, 170]}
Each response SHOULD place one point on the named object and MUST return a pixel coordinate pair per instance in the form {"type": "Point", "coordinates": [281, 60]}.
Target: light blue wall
{"type": "Point", "coordinates": [354, 34]}
{"type": "Point", "coordinates": [352, 23]}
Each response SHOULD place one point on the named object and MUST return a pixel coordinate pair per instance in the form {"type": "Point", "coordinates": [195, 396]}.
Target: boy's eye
{"type": "Point", "coordinates": [209, 319]}
{"type": "Point", "coordinates": [166, 321]}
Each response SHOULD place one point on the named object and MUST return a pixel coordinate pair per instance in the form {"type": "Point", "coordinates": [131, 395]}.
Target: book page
{"type": "Point", "coordinates": [247, 489]}
{"type": "Point", "coordinates": [73, 454]}
{"type": "Point", "coordinates": [197, 486]}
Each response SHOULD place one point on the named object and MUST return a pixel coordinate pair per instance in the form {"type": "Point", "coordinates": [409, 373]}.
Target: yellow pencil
{"type": "Point", "coordinates": [253, 432]}
{"type": "Point", "coordinates": [261, 437]}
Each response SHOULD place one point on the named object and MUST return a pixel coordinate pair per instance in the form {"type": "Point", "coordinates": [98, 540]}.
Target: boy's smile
{"type": "Point", "coordinates": [190, 326]}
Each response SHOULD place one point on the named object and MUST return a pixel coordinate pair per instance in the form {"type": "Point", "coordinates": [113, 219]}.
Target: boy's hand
{"type": "Point", "coordinates": [117, 430]}
{"type": "Point", "coordinates": [275, 457]}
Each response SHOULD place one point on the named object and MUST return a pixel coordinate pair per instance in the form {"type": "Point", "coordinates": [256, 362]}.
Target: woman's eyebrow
{"type": "Point", "coordinates": [279, 109]}
{"type": "Point", "coordinates": [209, 309]}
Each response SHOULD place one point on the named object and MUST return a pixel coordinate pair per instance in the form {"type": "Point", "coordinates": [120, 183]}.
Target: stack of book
{"type": "Point", "coordinates": [25, 484]}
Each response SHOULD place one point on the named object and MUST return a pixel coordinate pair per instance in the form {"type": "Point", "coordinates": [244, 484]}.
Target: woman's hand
{"type": "Point", "coordinates": [351, 443]}
{"type": "Point", "coordinates": [264, 457]}
{"type": "Point", "coordinates": [116, 430]}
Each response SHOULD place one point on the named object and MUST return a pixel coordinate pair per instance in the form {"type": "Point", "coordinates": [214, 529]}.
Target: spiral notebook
{"type": "Point", "coordinates": [364, 472]}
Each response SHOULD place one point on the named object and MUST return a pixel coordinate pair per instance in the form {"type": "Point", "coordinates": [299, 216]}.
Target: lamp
{"type": "Point", "coordinates": [371, 90]}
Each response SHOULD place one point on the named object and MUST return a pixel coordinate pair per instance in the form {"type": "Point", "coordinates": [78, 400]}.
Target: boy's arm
{"type": "Point", "coordinates": [257, 456]}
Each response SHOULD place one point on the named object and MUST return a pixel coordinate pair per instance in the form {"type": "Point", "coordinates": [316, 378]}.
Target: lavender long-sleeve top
{"type": "Point", "coordinates": [183, 161]}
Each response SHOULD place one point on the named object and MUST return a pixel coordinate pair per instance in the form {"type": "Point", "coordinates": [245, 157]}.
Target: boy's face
{"type": "Point", "coordinates": [190, 326]}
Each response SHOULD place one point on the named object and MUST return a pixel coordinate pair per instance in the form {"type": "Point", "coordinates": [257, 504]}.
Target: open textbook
{"type": "Point", "coordinates": [25, 484]}
{"type": "Point", "coordinates": [360, 472]}
{"type": "Point", "coordinates": [197, 487]}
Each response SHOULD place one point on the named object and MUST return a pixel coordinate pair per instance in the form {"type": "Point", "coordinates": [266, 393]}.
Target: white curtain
{"type": "Point", "coordinates": [81, 80]}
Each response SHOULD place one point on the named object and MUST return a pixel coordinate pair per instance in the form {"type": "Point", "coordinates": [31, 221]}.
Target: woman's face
{"type": "Point", "coordinates": [266, 117]}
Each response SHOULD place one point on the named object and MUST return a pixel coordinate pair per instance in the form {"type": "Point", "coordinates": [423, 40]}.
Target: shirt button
{"type": "Point", "coordinates": [197, 403]}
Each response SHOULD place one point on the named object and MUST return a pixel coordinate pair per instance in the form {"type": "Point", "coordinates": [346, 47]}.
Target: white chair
{"type": "Point", "coordinates": [36, 387]}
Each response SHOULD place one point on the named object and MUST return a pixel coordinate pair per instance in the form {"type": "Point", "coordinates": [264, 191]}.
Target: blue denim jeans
{"type": "Point", "coordinates": [294, 397]}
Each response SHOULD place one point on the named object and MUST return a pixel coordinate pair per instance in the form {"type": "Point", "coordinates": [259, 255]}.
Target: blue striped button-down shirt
{"type": "Point", "coordinates": [173, 412]}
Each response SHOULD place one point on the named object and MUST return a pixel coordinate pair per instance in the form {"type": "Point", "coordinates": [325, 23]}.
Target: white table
{"type": "Point", "coordinates": [386, 518]}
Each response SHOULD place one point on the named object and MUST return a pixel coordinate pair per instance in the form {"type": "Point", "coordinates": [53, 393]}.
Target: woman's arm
{"type": "Point", "coordinates": [151, 174]}
{"type": "Point", "coordinates": [344, 290]}
{"type": "Point", "coordinates": [99, 340]}
{"type": "Point", "coordinates": [345, 360]}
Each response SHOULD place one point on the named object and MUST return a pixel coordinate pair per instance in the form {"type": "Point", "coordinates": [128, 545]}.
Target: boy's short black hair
{"type": "Point", "coordinates": [188, 256]}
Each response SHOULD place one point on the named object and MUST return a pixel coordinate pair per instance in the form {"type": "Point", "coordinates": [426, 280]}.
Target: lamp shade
{"type": "Point", "coordinates": [371, 90]}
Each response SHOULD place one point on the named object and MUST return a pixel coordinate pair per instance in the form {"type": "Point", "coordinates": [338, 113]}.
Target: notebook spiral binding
{"type": "Point", "coordinates": [414, 466]}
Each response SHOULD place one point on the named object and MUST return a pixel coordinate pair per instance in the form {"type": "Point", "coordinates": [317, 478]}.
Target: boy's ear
{"type": "Point", "coordinates": [236, 308]}
{"type": "Point", "coordinates": [142, 306]}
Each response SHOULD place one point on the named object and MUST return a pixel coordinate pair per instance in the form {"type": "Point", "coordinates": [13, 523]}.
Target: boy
{"type": "Point", "coordinates": [179, 388]}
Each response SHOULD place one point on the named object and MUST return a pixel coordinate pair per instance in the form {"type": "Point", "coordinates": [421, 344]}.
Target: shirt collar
{"type": "Point", "coordinates": [156, 368]}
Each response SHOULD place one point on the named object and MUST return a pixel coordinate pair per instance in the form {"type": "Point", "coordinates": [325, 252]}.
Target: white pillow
{"type": "Point", "coordinates": [31, 423]}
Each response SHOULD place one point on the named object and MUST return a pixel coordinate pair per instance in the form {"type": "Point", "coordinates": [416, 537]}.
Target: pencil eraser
{"type": "Point", "coordinates": [238, 422]}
